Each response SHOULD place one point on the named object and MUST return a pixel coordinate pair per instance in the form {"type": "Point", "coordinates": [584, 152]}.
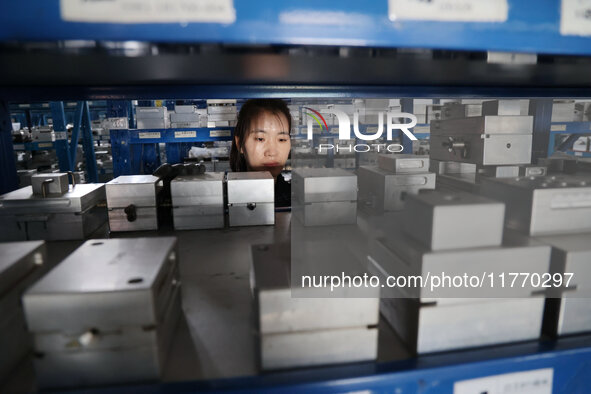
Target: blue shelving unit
{"type": "Point", "coordinates": [573, 130]}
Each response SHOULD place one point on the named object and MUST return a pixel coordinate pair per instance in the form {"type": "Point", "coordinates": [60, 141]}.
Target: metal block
{"type": "Point", "coordinates": [184, 109]}
{"type": "Point", "coordinates": [490, 149]}
{"type": "Point", "coordinates": [505, 107]}
{"type": "Point", "coordinates": [457, 110]}
{"type": "Point", "coordinates": [56, 183]}
{"type": "Point", "coordinates": [458, 182]}
{"type": "Point", "coordinates": [133, 219]}
{"type": "Point", "coordinates": [324, 185]}
{"type": "Point", "coordinates": [150, 113]}
{"type": "Point", "coordinates": [186, 125]}
{"type": "Point", "coordinates": [499, 171]}
{"type": "Point", "coordinates": [543, 205]}
{"type": "Point", "coordinates": [198, 201]}
{"type": "Point", "coordinates": [483, 125]}
{"type": "Point", "coordinates": [403, 164]}
{"type": "Point", "coordinates": [442, 220]}
{"type": "Point", "coordinates": [139, 190]}
{"type": "Point", "coordinates": [251, 198]}
{"type": "Point", "coordinates": [426, 329]}
{"type": "Point", "coordinates": [184, 117]}
{"type": "Point", "coordinates": [532, 171]}
{"type": "Point", "coordinates": [451, 167]}
{"type": "Point", "coordinates": [567, 165]}
{"type": "Point", "coordinates": [222, 117]}
{"type": "Point", "coordinates": [152, 123]}
{"type": "Point", "coordinates": [563, 111]}
{"type": "Point", "coordinates": [381, 190]}
{"type": "Point", "coordinates": [198, 217]}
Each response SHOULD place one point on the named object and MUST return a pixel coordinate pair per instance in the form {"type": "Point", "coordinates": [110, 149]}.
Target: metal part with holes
{"type": "Point", "coordinates": [74, 215]}
{"type": "Point", "coordinates": [132, 202]}
{"type": "Point", "coordinates": [303, 331]}
{"type": "Point", "coordinates": [198, 201]}
{"type": "Point", "coordinates": [441, 220]}
{"type": "Point", "coordinates": [381, 190]}
{"type": "Point", "coordinates": [251, 198]}
{"type": "Point", "coordinates": [543, 205]}
{"type": "Point", "coordinates": [52, 183]}
{"type": "Point", "coordinates": [20, 264]}
{"type": "Point", "coordinates": [324, 196]}
{"type": "Point", "coordinates": [110, 303]}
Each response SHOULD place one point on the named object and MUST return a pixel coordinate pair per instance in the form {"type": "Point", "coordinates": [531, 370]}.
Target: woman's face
{"type": "Point", "coordinates": [267, 145]}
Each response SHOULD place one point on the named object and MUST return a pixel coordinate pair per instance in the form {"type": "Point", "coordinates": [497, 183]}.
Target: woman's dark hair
{"type": "Point", "coordinates": [249, 111]}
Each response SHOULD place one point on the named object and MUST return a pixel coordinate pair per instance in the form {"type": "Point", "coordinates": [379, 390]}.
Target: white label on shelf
{"type": "Point", "coordinates": [558, 127]}
{"type": "Point", "coordinates": [45, 145]}
{"type": "Point", "coordinates": [220, 133]}
{"type": "Point", "coordinates": [19, 146]}
{"type": "Point", "coordinates": [575, 17]}
{"type": "Point", "coordinates": [185, 134]}
{"type": "Point", "coordinates": [537, 381]}
{"type": "Point", "coordinates": [60, 135]}
{"type": "Point", "coordinates": [148, 11]}
{"type": "Point", "coordinates": [448, 10]}
{"type": "Point", "coordinates": [149, 134]}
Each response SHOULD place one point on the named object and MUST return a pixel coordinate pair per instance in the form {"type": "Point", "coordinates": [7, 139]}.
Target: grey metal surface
{"type": "Point", "coordinates": [328, 213]}
{"type": "Point", "coordinates": [403, 164]}
{"type": "Point", "coordinates": [543, 205]}
{"type": "Point", "coordinates": [499, 171]}
{"type": "Point", "coordinates": [204, 189]}
{"type": "Point", "coordinates": [441, 220]}
{"type": "Point", "coordinates": [381, 190]}
{"type": "Point", "coordinates": [483, 125]}
{"type": "Point", "coordinates": [146, 219]}
{"type": "Point", "coordinates": [56, 183]}
{"type": "Point", "coordinates": [250, 187]}
{"type": "Point", "coordinates": [533, 171]}
{"type": "Point", "coordinates": [198, 217]}
{"type": "Point", "coordinates": [17, 259]}
{"type": "Point", "coordinates": [323, 185]}
{"type": "Point", "coordinates": [451, 167]}
{"type": "Point", "coordinates": [489, 149]}
{"type": "Point", "coordinates": [574, 316]}
{"type": "Point", "coordinates": [251, 214]}
{"type": "Point", "coordinates": [139, 190]}
{"type": "Point", "coordinates": [458, 182]}
{"type": "Point", "coordinates": [427, 329]}
{"type": "Point", "coordinates": [104, 284]}
{"type": "Point", "coordinates": [457, 110]}
{"type": "Point", "coordinates": [78, 199]}
{"type": "Point", "coordinates": [15, 342]}
{"type": "Point", "coordinates": [505, 107]}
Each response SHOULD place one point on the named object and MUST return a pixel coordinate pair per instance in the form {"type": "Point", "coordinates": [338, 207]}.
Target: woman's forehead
{"type": "Point", "coordinates": [269, 122]}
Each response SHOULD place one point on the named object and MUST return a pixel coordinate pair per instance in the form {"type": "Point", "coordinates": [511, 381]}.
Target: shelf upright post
{"type": "Point", "coordinates": [541, 110]}
{"type": "Point", "coordinates": [88, 143]}
{"type": "Point", "coordinates": [62, 148]}
{"type": "Point", "coordinates": [8, 177]}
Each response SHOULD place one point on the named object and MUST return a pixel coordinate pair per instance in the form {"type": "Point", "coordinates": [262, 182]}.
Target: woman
{"type": "Point", "coordinates": [262, 143]}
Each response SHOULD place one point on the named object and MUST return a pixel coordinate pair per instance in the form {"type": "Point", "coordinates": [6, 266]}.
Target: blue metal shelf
{"type": "Point", "coordinates": [573, 129]}
{"type": "Point", "coordinates": [530, 27]}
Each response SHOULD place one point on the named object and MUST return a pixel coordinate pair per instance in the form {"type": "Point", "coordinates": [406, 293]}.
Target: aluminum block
{"type": "Point", "coordinates": [251, 198]}
{"type": "Point", "coordinates": [198, 217]}
{"type": "Point", "coordinates": [184, 117]}
{"type": "Point", "coordinates": [324, 185]}
{"type": "Point", "coordinates": [185, 125]}
{"type": "Point", "coordinates": [543, 205]}
{"type": "Point", "coordinates": [490, 149]}
{"type": "Point", "coordinates": [483, 125]}
{"type": "Point", "coordinates": [56, 183]}
{"type": "Point", "coordinates": [451, 167]}
{"type": "Point", "coordinates": [457, 110]}
{"type": "Point", "coordinates": [505, 107]}
{"type": "Point", "coordinates": [133, 219]}
{"type": "Point", "coordinates": [567, 315]}
{"type": "Point", "coordinates": [150, 113]}
{"type": "Point", "coordinates": [17, 261]}
{"type": "Point", "coordinates": [572, 253]}
{"type": "Point", "coordinates": [427, 329]}
{"type": "Point", "coordinates": [533, 171]}
{"type": "Point", "coordinates": [251, 214]}
{"type": "Point", "coordinates": [442, 220]}
{"type": "Point", "coordinates": [327, 213]}
{"type": "Point", "coordinates": [105, 284]}
{"type": "Point", "coordinates": [139, 190]}
{"type": "Point", "coordinates": [152, 123]}
{"type": "Point", "coordinates": [499, 171]}
{"type": "Point", "coordinates": [403, 164]}
{"type": "Point", "coordinates": [381, 190]}
{"type": "Point", "coordinates": [203, 189]}
{"type": "Point", "coordinates": [563, 111]}
{"type": "Point", "coordinates": [184, 109]}
{"type": "Point", "coordinates": [458, 182]}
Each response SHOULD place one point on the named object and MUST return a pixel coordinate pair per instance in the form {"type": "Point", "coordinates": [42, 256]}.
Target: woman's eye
{"type": "Point", "coordinates": [260, 139]}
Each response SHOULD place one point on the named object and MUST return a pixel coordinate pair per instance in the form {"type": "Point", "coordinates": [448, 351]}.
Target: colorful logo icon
{"type": "Point", "coordinates": [316, 117]}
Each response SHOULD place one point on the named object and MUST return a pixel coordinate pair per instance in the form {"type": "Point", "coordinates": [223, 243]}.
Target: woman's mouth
{"type": "Point", "coordinates": [271, 164]}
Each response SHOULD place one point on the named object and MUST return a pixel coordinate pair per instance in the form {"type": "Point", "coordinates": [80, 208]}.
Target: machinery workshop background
{"type": "Point", "coordinates": [430, 140]}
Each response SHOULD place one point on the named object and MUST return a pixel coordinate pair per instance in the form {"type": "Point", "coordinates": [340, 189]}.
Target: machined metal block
{"type": "Point", "coordinates": [198, 217]}
{"type": "Point", "coordinates": [139, 190]}
{"type": "Point", "coordinates": [327, 213]}
{"type": "Point", "coordinates": [54, 184]}
{"type": "Point", "coordinates": [457, 110]}
{"type": "Point", "coordinates": [499, 171]}
{"type": "Point", "coordinates": [150, 112]}
{"type": "Point", "coordinates": [442, 220]}
{"type": "Point", "coordinates": [572, 254]}
{"type": "Point", "coordinates": [184, 109]}
{"type": "Point", "coordinates": [203, 189]}
{"type": "Point", "coordinates": [533, 171]}
{"type": "Point", "coordinates": [381, 190]}
{"type": "Point", "coordinates": [505, 107]}
{"type": "Point", "coordinates": [251, 198]}
{"type": "Point", "coordinates": [489, 149]}
{"type": "Point", "coordinates": [133, 219]}
{"type": "Point", "coordinates": [451, 167]}
{"type": "Point", "coordinates": [184, 117]}
{"type": "Point", "coordinates": [403, 164]}
{"type": "Point", "coordinates": [570, 314]}
{"type": "Point", "coordinates": [427, 328]}
{"type": "Point", "coordinates": [543, 205]}
{"type": "Point", "coordinates": [458, 182]}
{"type": "Point", "coordinates": [152, 123]}
{"type": "Point", "coordinates": [324, 185]}
{"type": "Point", "coordinates": [483, 125]}
{"type": "Point", "coordinates": [563, 111]}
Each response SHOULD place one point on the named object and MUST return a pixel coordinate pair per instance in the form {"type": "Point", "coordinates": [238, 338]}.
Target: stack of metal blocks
{"type": "Point", "coordinates": [20, 264]}
{"type": "Point", "coordinates": [457, 234]}
{"type": "Point", "coordinates": [184, 116]}
{"type": "Point", "coordinates": [384, 188]}
{"type": "Point", "coordinates": [51, 209]}
{"type": "Point", "coordinates": [198, 201]}
{"type": "Point", "coordinates": [132, 202]}
{"type": "Point", "coordinates": [251, 198]}
{"type": "Point", "coordinates": [152, 117]}
{"type": "Point", "coordinates": [301, 331]}
{"type": "Point", "coordinates": [324, 196]}
{"type": "Point", "coordinates": [557, 211]}
{"type": "Point", "coordinates": [221, 113]}
{"type": "Point", "coordinates": [106, 314]}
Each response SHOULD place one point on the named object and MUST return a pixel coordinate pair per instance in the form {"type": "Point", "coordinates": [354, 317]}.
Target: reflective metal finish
{"type": "Point", "coordinates": [403, 164]}
{"type": "Point", "coordinates": [132, 202]}
{"type": "Point", "coordinates": [251, 198]}
{"type": "Point", "coordinates": [54, 183]}
{"type": "Point", "coordinates": [198, 201]}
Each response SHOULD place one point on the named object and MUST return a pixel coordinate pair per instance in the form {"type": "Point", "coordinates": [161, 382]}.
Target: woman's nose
{"type": "Point", "coordinates": [271, 148]}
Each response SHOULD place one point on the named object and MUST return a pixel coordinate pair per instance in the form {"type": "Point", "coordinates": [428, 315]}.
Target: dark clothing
{"type": "Point", "coordinates": [282, 192]}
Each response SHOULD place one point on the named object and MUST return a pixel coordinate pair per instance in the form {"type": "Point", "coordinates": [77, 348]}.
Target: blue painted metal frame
{"type": "Point", "coordinates": [572, 128]}
{"type": "Point", "coordinates": [135, 154]}
{"type": "Point", "coordinates": [530, 27]}
{"type": "Point", "coordinates": [61, 145]}
{"type": "Point", "coordinates": [8, 178]}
